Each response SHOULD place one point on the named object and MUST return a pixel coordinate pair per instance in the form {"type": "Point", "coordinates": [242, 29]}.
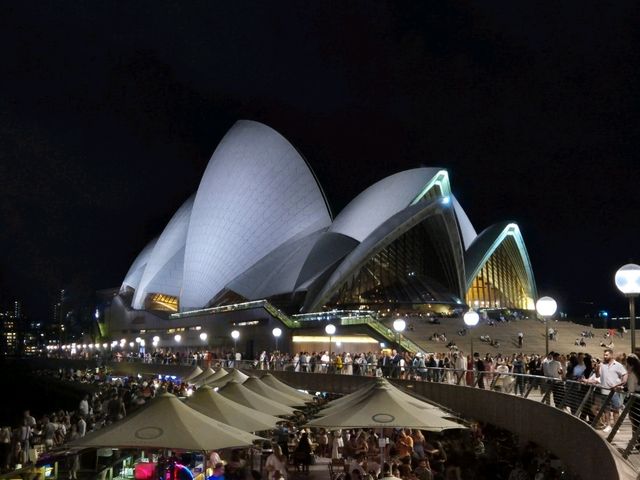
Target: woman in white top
{"type": "Point", "coordinates": [296, 362]}
{"type": "Point", "coordinates": [347, 368]}
{"type": "Point", "coordinates": [503, 382]}
{"type": "Point", "coordinates": [276, 462]}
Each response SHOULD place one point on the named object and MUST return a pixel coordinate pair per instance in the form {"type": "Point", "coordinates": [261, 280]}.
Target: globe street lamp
{"type": "Point", "coordinates": [177, 338]}
{"type": "Point", "coordinates": [628, 282]}
{"type": "Point", "coordinates": [399, 325]}
{"type": "Point", "coordinates": [235, 335]}
{"type": "Point", "coordinates": [546, 307]}
{"type": "Point", "coordinates": [204, 336]}
{"type": "Point", "coordinates": [471, 319]}
{"type": "Point", "coordinates": [276, 334]}
{"type": "Point", "coordinates": [330, 329]}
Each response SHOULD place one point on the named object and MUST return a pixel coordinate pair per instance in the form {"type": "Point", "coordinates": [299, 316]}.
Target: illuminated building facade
{"type": "Point", "coordinates": [259, 228]}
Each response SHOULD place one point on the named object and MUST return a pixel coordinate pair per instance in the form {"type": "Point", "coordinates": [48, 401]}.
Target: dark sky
{"type": "Point", "coordinates": [109, 112]}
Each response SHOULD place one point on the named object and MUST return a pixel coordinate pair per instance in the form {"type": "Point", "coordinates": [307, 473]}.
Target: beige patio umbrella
{"type": "Point", "coordinates": [355, 397]}
{"type": "Point", "coordinates": [384, 406]}
{"type": "Point", "coordinates": [166, 422]}
{"type": "Point", "coordinates": [361, 392]}
{"type": "Point", "coordinates": [234, 375]}
{"type": "Point", "coordinates": [196, 371]}
{"type": "Point", "coordinates": [279, 385]}
{"type": "Point", "coordinates": [212, 378]}
{"type": "Point", "coordinates": [205, 374]}
{"type": "Point", "coordinates": [220, 408]}
{"type": "Point", "coordinates": [241, 394]}
{"type": "Point", "coordinates": [258, 386]}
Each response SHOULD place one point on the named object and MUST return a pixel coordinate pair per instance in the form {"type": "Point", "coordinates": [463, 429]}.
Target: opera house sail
{"type": "Point", "coordinates": [259, 231]}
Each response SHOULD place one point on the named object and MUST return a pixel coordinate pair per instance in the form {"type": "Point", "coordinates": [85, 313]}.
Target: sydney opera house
{"type": "Point", "coordinates": [256, 247]}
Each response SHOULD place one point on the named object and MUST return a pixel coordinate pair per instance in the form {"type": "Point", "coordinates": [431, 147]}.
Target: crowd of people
{"type": "Point", "coordinates": [108, 402]}
{"type": "Point", "coordinates": [478, 452]}
{"type": "Point", "coordinates": [606, 381]}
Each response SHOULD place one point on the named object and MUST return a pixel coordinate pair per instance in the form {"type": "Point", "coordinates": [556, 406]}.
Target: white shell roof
{"type": "Point", "coordinates": [466, 228]}
{"type": "Point", "coordinates": [388, 231]}
{"type": "Point", "coordinates": [256, 193]}
{"type": "Point", "coordinates": [163, 273]}
{"type": "Point", "coordinates": [381, 201]}
{"type": "Point", "coordinates": [133, 276]}
{"type": "Point", "coordinates": [277, 272]}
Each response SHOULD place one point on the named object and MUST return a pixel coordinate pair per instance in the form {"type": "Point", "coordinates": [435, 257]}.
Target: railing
{"type": "Point", "coordinates": [589, 402]}
{"type": "Point", "coordinates": [383, 330]}
{"type": "Point", "coordinates": [275, 312]}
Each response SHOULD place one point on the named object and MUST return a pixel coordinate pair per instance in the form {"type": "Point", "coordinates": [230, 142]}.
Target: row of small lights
{"type": "Point", "coordinates": [139, 341]}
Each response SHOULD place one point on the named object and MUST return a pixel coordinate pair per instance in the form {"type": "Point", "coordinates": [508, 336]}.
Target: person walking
{"type": "Point", "coordinates": [613, 376]}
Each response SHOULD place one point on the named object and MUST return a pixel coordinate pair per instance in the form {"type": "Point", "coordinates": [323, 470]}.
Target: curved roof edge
{"type": "Point", "coordinates": [469, 233]}
{"type": "Point", "coordinates": [315, 177]}
{"type": "Point", "coordinates": [134, 274]}
{"type": "Point", "coordinates": [395, 226]}
{"type": "Point", "coordinates": [385, 198]}
{"type": "Point", "coordinates": [487, 242]}
{"type": "Point", "coordinates": [275, 273]}
{"type": "Point", "coordinates": [172, 239]}
{"type": "Point", "coordinates": [256, 193]}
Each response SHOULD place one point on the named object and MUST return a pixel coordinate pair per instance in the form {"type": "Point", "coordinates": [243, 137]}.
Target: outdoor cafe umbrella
{"type": "Point", "coordinates": [279, 385]}
{"type": "Point", "coordinates": [195, 372]}
{"type": "Point", "coordinates": [241, 394]}
{"type": "Point", "coordinates": [352, 397]}
{"type": "Point", "coordinates": [234, 375]}
{"type": "Point", "coordinates": [199, 378]}
{"type": "Point", "coordinates": [218, 374]}
{"type": "Point", "coordinates": [355, 397]}
{"type": "Point", "coordinates": [384, 406]}
{"type": "Point", "coordinates": [258, 386]}
{"type": "Point", "coordinates": [218, 407]}
{"type": "Point", "coordinates": [166, 422]}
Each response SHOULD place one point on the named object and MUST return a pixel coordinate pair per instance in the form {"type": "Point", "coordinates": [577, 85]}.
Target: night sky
{"type": "Point", "coordinates": [110, 111]}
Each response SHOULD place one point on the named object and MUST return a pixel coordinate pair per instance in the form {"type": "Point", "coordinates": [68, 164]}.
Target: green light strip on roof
{"type": "Point", "coordinates": [440, 179]}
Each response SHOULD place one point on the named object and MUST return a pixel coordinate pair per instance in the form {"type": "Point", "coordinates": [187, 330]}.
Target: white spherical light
{"type": "Point", "coordinates": [177, 338]}
{"type": "Point", "coordinates": [276, 332]}
{"type": "Point", "coordinates": [399, 325]}
{"type": "Point", "coordinates": [235, 334]}
{"type": "Point", "coordinates": [203, 336]}
{"type": "Point", "coordinates": [330, 329]}
{"type": "Point", "coordinates": [156, 339]}
{"type": "Point", "coordinates": [546, 306]}
{"type": "Point", "coordinates": [471, 318]}
{"type": "Point", "coordinates": [628, 279]}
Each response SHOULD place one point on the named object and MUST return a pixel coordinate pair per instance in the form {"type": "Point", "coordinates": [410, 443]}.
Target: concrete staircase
{"type": "Point", "coordinates": [420, 332]}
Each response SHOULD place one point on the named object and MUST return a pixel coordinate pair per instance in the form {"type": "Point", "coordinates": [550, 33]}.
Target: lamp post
{"type": "Point", "coordinates": [399, 325]}
{"type": "Point", "coordinates": [276, 334]}
{"type": "Point", "coordinates": [471, 319]}
{"type": "Point", "coordinates": [628, 282]}
{"type": "Point", "coordinates": [546, 307]}
{"type": "Point", "coordinates": [204, 336]}
{"type": "Point", "coordinates": [235, 335]}
{"type": "Point", "coordinates": [330, 330]}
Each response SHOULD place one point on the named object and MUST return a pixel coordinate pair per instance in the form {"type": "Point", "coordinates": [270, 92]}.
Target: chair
{"type": "Point", "coordinates": [337, 467]}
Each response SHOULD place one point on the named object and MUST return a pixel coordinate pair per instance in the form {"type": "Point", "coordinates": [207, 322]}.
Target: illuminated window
{"type": "Point", "coordinates": [160, 301]}
{"type": "Point", "coordinates": [502, 282]}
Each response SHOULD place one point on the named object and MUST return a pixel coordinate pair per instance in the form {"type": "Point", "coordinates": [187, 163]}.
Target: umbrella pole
{"type": "Point", "coordinates": [382, 443]}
